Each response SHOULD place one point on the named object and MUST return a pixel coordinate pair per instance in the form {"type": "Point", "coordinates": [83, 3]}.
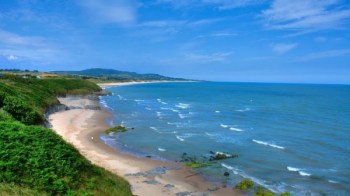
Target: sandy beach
{"type": "Point", "coordinates": [85, 122]}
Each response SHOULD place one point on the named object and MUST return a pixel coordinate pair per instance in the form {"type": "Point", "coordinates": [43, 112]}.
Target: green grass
{"type": "Point", "coordinates": [15, 190]}
{"type": "Point", "coordinates": [33, 159]}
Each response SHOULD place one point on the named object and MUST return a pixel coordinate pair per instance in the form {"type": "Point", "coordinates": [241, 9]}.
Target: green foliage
{"type": "Point", "coordinates": [286, 194]}
{"type": "Point", "coordinates": [35, 95]}
{"type": "Point", "coordinates": [245, 184]}
{"type": "Point", "coordinates": [15, 190]}
{"type": "Point", "coordinates": [197, 165]}
{"type": "Point", "coordinates": [33, 156]}
{"type": "Point", "coordinates": [21, 111]}
{"type": "Point", "coordinates": [115, 129]}
{"type": "Point", "coordinates": [5, 116]}
{"type": "Point", "coordinates": [262, 191]}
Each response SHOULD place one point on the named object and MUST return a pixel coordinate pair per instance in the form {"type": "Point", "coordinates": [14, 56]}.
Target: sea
{"type": "Point", "coordinates": [288, 137]}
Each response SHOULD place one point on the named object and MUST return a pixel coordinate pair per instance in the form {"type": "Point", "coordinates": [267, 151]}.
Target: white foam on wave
{"type": "Point", "coordinates": [217, 111]}
{"type": "Point", "coordinates": [147, 108]}
{"type": "Point", "coordinates": [304, 173]}
{"type": "Point", "coordinates": [244, 175]}
{"type": "Point", "coordinates": [155, 129]}
{"type": "Point", "coordinates": [332, 181]}
{"type": "Point", "coordinates": [210, 134]}
{"type": "Point", "coordinates": [160, 114]}
{"type": "Point", "coordinates": [183, 105]}
{"type": "Point", "coordinates": [180, 138]}
{"type": "Point", "coordinates": [121, 97]}
{"type": "Point", "coordinates": [236, 129]}
{"type": "Point", "coordinates": [268, 144]}
{"type": "Point", "coordinates": [228, 155]}
{"type": "Point", "coordinates": [164, 103]}
{"type": "Point", "coordinates": [161, 149]}
{"type": "Point", "coordinates": [243, 110]}
{"type": "Point", "coordinates": [231, 128]}
{"type": "Point", "coordinates": [224, 126]}
{"type": "Point", "coordinates": [294, 169]}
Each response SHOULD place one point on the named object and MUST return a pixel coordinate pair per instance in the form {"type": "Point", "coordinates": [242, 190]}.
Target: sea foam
{"type": "Point", "coordinates": [268, 144]}
{"type": "Point", "coordinates": [180, 138]}
{"type": "Point", "coordinates": [161, 149]}
{"type": "Point", "coordinates": [294, 169]}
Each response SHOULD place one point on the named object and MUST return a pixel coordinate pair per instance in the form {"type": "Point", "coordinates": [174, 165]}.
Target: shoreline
{"type": "Point", "coordinates": [82, 128]}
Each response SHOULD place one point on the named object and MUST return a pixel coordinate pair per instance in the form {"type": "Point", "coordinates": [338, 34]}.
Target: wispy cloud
{"type": "Point", "coordinates": [111, 11]}
{"type": "Point", "coordinates": [220, 4]}
{"type": "Point", "coordinates": [310, 15]}
{"type": "Point", "coordinates": [161, 30]}
{"type": "Point", "coordinates": [326, 54]}
{"type": "Point", "coordinates": [282, 48]}
{"type": "Point", "coordinates": [231, 4]}
{"type": "Point", "coordinates": [219, 34]}
{"type": "Point", "coordinates": [208, 58]}
{"type": "Point", "coordinates": [18, 47]}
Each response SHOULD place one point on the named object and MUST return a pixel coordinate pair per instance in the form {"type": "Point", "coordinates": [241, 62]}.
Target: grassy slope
{"type": "Point", "coordinates": [33, 159]}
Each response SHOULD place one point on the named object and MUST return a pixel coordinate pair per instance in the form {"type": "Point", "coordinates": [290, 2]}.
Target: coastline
{"type": "Point", "coordinates": [82, 127]}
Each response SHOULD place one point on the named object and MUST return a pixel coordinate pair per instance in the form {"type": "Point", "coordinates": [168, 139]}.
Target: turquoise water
{"type": "Point", "coordinates": [289, 137]}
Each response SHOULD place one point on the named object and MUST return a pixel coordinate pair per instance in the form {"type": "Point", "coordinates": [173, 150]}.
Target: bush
{"type": "Point", "coordinates": [36, 157]}
{"type": "Point", "coordinates": [115, 129]}
{"type": "Point", "coordinates": [262, 191]}
{"type": "Point", "coordinates": [5, 116]}
{"type": "Point", "coordinates": [285, 194]}
{"type": "Point", "coordinates": [245, 184]}
{"type": "Point", "coordinates": [21, 112]}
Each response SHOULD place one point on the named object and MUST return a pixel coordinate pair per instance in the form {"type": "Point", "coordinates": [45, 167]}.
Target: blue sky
{"type": "Point", "coordinates": [305, 41]}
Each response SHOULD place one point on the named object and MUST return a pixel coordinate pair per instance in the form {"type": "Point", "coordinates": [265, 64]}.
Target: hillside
{"type": "Point", "coordinates": [33, 159]}
{"type": "Point", "coordinates": [115, 75]}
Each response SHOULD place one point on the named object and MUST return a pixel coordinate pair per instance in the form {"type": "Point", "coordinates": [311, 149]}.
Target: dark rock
{"type": "Point", "coordinates": [185, 193]}
{"type": "Point", "coordinates": [169, 186]}
{"type": "Point", "coordinates": [215, 188]}
{"type": "Point", "coordinates": [226, 173]}
{"type": "Point", "coordinates": [154, 182]}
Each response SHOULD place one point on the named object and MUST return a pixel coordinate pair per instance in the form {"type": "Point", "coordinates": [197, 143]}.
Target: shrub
{"type": "Point", "coordinates": [36, 157]}
{"type": "Point", "coordinates": [5, 116]}
{"type": "Point", "coordinates": [21, 111]}
{"type": "Point", "coordinates": [262, 191]}
{"type": "Point", "coordinates": [285, 194]}
{"type": "Point", "coordinates": [115, 129]}
{"type": "Point", "coordinates": [245, 184]}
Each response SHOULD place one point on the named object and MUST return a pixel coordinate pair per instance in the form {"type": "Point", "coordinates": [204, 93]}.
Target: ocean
{"type": "Point", "coordinates": [288, 137]}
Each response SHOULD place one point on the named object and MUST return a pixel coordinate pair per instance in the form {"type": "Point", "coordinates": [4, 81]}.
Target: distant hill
{"type": "Point", "coordinates": [111, 74]}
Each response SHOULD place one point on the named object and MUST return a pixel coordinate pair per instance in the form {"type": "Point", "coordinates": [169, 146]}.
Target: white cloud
{"type": "Point", "coordinates": [327, 54]}
{"type": "Point", "coordinates": [208, 58]}
{"type": "Point", "coordinates": [15, 47]}
{"type": "Point", "coordinates": [111, 11]}
{"type": "Point", "coordinates": [12, 57]}
{"type": "Point", "coordinates": [282, 48]}
{"type": "Point", "coordinates": [306, 14]}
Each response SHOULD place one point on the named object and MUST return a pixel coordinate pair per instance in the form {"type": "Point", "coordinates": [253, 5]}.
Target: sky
{"type": "Point", "coordinates": [297, 41]}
